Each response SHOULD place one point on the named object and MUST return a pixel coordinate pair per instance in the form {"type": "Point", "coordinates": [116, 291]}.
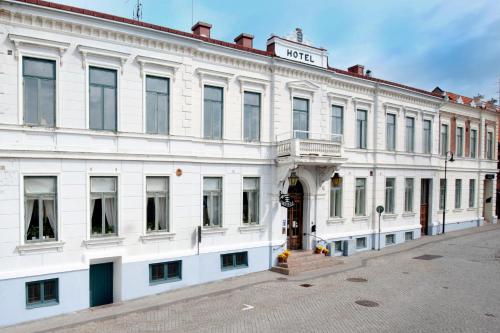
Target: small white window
{"type": "Point", "coordinates": [212, 202]}
{"type": "Point", "coordinates": [157, 204]}
{"type": "Point", "coordinates": [40, 209]}
{"type": "Point", "coordinates": [251, 200]}
{"type": "Point", "coordinates": [389, 195]}
{"type": "Point", "coordinates": [103, 206]}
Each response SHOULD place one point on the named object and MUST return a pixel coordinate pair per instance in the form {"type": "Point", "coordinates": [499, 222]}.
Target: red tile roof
{"type": "Point", "coordinates": [115, 18]}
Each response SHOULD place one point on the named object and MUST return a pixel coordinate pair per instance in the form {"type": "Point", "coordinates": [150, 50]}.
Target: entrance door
{"type": "Point", "coordinates": [424, 205]}
{"type": "Point", "coordinates": [294, 219]}
{"type": "Point", "coordinates": [488, 201]}
{"type": "Point", "coordinates": [101, 284]}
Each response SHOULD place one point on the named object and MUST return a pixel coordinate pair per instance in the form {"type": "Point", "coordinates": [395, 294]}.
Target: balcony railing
{"type": "Point", "coordinates": [304, 143]}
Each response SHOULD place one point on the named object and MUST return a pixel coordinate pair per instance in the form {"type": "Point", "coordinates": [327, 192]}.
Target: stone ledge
{"type": "Point", "coordinates": [213, 231]}
{"type": "Point", "coordinates": [103, 241]}
{"type": "Point", "coordinates": [157, 236]}
{"type": "Point", "coordinates": [40, 247]}
{"type": "Point", "coordinates": [251, 228]}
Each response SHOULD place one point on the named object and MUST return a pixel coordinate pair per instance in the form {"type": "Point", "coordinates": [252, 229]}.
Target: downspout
{"type": "Point", "coordinates": [273, 140]}
{"type": "Point", "coordinates": [374, 178]}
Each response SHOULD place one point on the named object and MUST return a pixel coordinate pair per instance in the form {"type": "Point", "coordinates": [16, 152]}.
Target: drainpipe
{"type": "Point", "coordinates": [276, 181]}
{"type": "Point", "coordinates": [374, 177]}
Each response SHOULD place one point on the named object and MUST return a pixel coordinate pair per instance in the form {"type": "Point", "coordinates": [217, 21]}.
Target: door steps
{"type": "Point", "coordinates": [303, 261]}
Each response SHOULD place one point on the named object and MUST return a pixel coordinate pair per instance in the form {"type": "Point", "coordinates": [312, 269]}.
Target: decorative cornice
{"type": "Point", "coordinates": [19, 40]}
{"type": "Point", "coordinates": [209, 73]}
{"type": "Point", "coordinates": [173, 66]}
{"type": "Point", "coordinates": [94, 51]}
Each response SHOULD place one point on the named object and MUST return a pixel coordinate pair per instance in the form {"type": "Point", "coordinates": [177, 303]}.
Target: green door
{"type": "Point", "coordinates": [101, 284]}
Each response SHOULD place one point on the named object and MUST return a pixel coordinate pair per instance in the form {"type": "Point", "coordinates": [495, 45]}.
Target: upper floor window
{"type": "Point", "coordinates": [458, 193]}
{"type": "Point", "coordinates": [489, 145]}
{"type": "Point", "coordinates": [213, 112]}
{"type": "Point", "coordinates": [360, 197]}
{"type": "Point", "coordinates": [337, 124]}
{"type": "Point", "coordinates": [251, 117]}
{"type": "Point", "coordinates": [39, 89]}
{"type": "Point", "coordinates": [212, 202]}
{"type": "Point", "coordinates": [157, 105]}
{"type": "Point", "coordinates": [102, 99]}
{"type": "Point", "coordinates": [390, 132]}
{"type": "Point", "coordinates": [40, 216]}
{"type": "Point", "coordinates": [103, 206]}
{"type": "Point", "coordinates": [410, 134]}
{"type": "Point", "coordinates": [442, 194]}
{"type": "Point", "coordinates": [390, 184]}
{"type": "Point", "coordinates": [460, 141]}
{"type": "Point", "coordinates": [408, 194]}
{"type": "Point", "coordinates": [157, 204]}
{"type": "Point", "coordinates": [336, 200]}
{"type": "Point", "coordinates": [300, 118]}
{"type": "Point", "coordinates": [473, 143]}
{"type": "Point", "coordinates": [251, 200]}
{"type": "Point", "coordinates": [361, 129]}
{"type": "Point", "coordinates": [444, 139]}
{"type": "Point", "coordinates": [427, 136]}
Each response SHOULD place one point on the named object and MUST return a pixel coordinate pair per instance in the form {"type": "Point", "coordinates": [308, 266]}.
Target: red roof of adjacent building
{"type": "Point", "coordinates": [115, 18]}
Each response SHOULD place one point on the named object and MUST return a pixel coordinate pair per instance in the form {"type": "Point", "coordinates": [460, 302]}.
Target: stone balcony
{"type": "Point", "coordinates": [309, 148]}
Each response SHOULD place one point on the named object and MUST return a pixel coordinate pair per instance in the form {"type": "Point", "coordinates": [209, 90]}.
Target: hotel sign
{"type": "Point", "coordinates": [299, 52]}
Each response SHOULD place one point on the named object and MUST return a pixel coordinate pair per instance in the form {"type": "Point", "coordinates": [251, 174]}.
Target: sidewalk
{"type": "Point", "coordinates": [226, 286]}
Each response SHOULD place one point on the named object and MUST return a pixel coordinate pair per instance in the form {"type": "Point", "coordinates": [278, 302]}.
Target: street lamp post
{"type": "Point", "coordinates": [446, 184]}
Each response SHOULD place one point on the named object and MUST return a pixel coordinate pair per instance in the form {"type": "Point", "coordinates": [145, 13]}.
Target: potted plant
{"type": "Point", "coordinates": [282, 258]}
{"type": "Point", "coordinates": [319, 248]}
{"type": "Point", "coordinates": [326, 252]}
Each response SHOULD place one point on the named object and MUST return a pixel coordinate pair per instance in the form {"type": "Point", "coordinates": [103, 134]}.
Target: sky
{"type": "Point", "coordinates": [453, 44]}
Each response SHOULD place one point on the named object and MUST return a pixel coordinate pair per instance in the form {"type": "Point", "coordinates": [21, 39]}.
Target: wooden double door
{"type": "Point", "coordinates": [294, 231]}
{"type": "Point", "coordinates": [424, 205]}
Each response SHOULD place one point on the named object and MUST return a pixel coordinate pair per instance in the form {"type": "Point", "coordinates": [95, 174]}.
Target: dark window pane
{"type": "Point", "coordinates": [162, 114]}
{"type": "Point", "coordinates": [157, 84]}
{"type": "Point", "coordinates": [34, 293]}
{"type": "Point", "coordinates": [97, 217]}
{"type": "Point", "coordinates": [30, 100]}
{"type": "Point", "coordinates": [109, 108]}
{"type": "Point", "coordinates": [33, 229]}
{"type": "Point", "coordinates": [151, 113]}
{"type": "Point", "coordinates": [96, 107]}
{"type": "Point", "coordinates": [213, 93]}
{"type": "Point", "coordinates": [103, 76]}
{"type": "Point", "coordinates": [151, 214]}
{"type": "Point", "coordinates": [241, 259]}
{"type": "Point", "coordinates": [47, 102]}
{"type": "Point", "coordinates": [39, 67]}
{"type": "Point", "coordinates": [174, 270]}
{"type": "Point", "coordinates": [157, 272]}
{"type": "Point", "coordinates": [50, 291]}
{"type": "Point", "coordinates": [227, 260]}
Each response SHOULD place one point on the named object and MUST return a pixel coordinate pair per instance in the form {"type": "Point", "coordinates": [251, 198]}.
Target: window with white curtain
{"type": "Point", "coordinates": [40, 216]}
{"type": "Point", "coordinates": [410, 134]}
{"type": "Point", "coordinates": [103, 206]}
{"type": "Point", "coordinates": [39, 90]}
{"type": "Point", "coordinates": [157, 204]}
{"type": "Point", "coordinates": [391, 132]}
{"type": "Point", "coordinates": [336, 200]}
{"type": "Point", "coordinates": [408, 194]}
{"type": "Point", "coordinates": [390, 184]}
{"type": "Point", "coordinates": [157, 105]}
{"type": "Point", "coordinates": [360, 197]}
{"type": "Point", "coordinates": [212, 202]}
{"type": "Point", "coordinates": [251, 200]}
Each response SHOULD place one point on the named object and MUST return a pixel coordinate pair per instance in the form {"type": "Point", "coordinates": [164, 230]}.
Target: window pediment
{"type": "Point", "coordinates": [20, 40]}
{"type": "Point", "coordinates": [94, 51]}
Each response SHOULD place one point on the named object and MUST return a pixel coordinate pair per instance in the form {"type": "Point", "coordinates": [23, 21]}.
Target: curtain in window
{"type": "Point", "coordinates": [50, 211]}
{"type": "Point", "coordinates": [111, 214]}
{"type": "Point", "coordinates": [161, 213]}
{"type": "Point", "coordinates": [28, 214]}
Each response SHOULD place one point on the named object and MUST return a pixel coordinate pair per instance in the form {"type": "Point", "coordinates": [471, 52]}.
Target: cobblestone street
{"type": "Point", "coordinates": [458, 292]}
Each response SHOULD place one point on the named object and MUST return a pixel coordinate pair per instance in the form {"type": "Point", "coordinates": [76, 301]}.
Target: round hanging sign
{"type": "Point", "coordinates": [286, 200]}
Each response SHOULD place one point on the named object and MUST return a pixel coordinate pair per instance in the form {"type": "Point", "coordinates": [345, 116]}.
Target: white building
{"type": "Point", "coordinates": [118, 139]}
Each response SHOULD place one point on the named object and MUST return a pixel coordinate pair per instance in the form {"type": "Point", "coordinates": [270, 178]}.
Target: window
{"type": "Point", "coordinates": [360, 199]}
{"type": "Point", "coordinates": [442, 194]}
{"type": "Point", "coordinates": [165, 272]}
{"type": "Point", "coordinates": [300, 118]}
{"type": "Point", "coordinates": [408, 235]}
{"type": "Point", "coordinates": [337, 125]}
{"type": "Point", "coordinates": [391, 132]}
{"type": "Point", "coordinates": [409, 195]}
{"type": "Point", "coordinates": [410, 134]}
{"type": "Point", "coordinates": [361, 129]}
{"type": "Point", "coordinates": [102, 99]}
{"type": "Point", "coordinates": [473, 143]}
{"type": "Point", "coordinates": [234, 260]}
{"type": "Point", "coordinates": [460, 141]}
{"type": "Point", "coordinates": [427, 138]}
{"type": "Point", "coordinates": [472, 193]}
{"type": "Point", "coordinates": [212, 201]}
{"type": "Point", "coordinates": [157, 204]}
{"type": "Point", "coordinates": [444, 139]}
{"type": "Point", "coordinates": [361, 243]}
{"type": "Point", "coordinates": [336, 200]}
{"type": "Point", "coordinates": [103, 205]}
{"type": "Point", "coordinates": [338, 246]}
{"type": "Point", "coordinates": [458, 193]}
{"type": "Point", "coordinates": [40, 215]}
{"type": "Point", "coordinates": [389, 195]}
{"type": "Point", "coordinates": [251, 118]}
{"type": "Point", "coordinates": [489, 146]}
{"type": "Point", "coordinates": [39, 89]}
{"type": "Point", "coordinates": [390, 239]}
{"type": "Point", "coordinates": [157, 105]}
{"type": "Point", "coordinates": [251, 200]}
{"type": "Point", "coordinates": [42, 293]}
{"type": "Point", "coordinates": [213, 114]}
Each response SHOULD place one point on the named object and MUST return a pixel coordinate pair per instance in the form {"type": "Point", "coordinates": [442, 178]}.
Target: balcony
{"type": "Point", "coordinates": [301, 147]}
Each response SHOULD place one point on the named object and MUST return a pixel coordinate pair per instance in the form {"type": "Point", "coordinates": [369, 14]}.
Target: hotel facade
{"type": "Point", "coordinates": [137, 159]}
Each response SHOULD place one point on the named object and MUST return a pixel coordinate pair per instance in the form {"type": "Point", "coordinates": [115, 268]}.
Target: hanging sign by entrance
{"type": "Point", "coordinates": [286, 200]}
{"type": "Point", "coordinates": [490, 176]}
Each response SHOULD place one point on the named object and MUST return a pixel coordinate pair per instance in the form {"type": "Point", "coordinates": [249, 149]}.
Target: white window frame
{"type": "Point", "coordinates": [356, 128]}
{"type": "Point", "coordinates": [117, 175]}
{"type": "Point", "coordinates": [476, 143]}
{"type": "Point", "coordinates": [393, 198]}
{"type": "Point", "coordinates": [22, 229]}
{"type": "Point", "coordinates": [262, 94]}
{"type": "Point", "coordinates": [341, 201]}
{"type": "Point", "coordinates": [223, 192]}
{"type": "Point", "coordinates": [430, 120]}
{"type": "Point", "coordinates": [448, 133]}
{"type": "Point", "coordinates": [309, 98]}
{"type": "Point", "coordinates": [414, 118]}
{"type": "Point", "coordinates": [395, 114]}
{"type": "Point", "coordinates": [462, 141]}
{"type": "Point", "coordinates": [365, 196]}
{"type": "Point", "coordinates": [145, 203]}
{"type": "Point", "coordinates": [406, 210]}
{"type": "Point", "coordinates": [161, 75]}
{"type": "Point", "coordinates": [241, 201]}
{"type": "Point", "coordinates": [473, 199]}
{"type": "Point", "coordinates": [458, 194]}
{"type": "Point", "coordinates": [492, 150]}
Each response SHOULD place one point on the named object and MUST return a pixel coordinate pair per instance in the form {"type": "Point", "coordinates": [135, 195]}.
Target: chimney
{"type": "Point", "coordinates": [357, 69]}
{"type": "Point", "coordinates": [245, 40]}
{"type": "Point", "coordinates": [201, 29]}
